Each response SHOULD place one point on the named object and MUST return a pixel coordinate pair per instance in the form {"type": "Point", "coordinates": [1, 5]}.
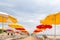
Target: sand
{"type": "Point", "coordinates": [24, 37]}
{"type": "Point", "coordinates": [31, 38]}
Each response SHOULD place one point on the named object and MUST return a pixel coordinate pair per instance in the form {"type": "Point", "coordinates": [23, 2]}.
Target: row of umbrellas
{"type": "Point", "coordinates": [12, 22]}
{"type": "Point", "coordinates": [18, 27]}
{"type": "Point", "coordinates": [47, 22]}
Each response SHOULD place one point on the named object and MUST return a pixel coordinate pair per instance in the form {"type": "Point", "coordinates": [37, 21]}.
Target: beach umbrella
{"type": "Point", "coordinates": [17, 32]}
{"type": "Point", "coordinates": [40, 28]}
{"type": "Point", "coordinates": [15, 25]}
{"type": "Point", "coordinates": [18, 27]}
{"type": "Point", "coordinates": [48, 19]}
{"type": "Point", "coordinates": [37, 31]}
{"type": "Point", "coordinates": [52, 19]}
{"type": "Point", "coordinates": [4, 17]}
{"type": "Point", "coordinates": [44, 26]}
{"type": "Point", "coordinates": [48, 26]}
{"type": "Point", "coordinates": [24, 31]}
{"type": "Point", "coordinates": [9, 30]}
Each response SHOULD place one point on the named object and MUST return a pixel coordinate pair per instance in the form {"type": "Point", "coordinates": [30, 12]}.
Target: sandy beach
{"type": "Point", "coordinates": [25, 37]}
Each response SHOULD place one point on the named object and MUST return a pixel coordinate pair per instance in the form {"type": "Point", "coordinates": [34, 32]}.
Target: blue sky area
{"type": "Point", "coordinates": [29, 12]}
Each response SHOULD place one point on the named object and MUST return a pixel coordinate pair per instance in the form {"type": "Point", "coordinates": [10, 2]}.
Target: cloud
{"type": "Point", "coordinates": [32, 6]}
{"type": "Point", "coordinates": [55, 2]}
{"type": "Point", "coordinates": [6, 4]}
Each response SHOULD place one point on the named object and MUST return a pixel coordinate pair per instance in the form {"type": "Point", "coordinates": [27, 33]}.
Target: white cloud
{"type": "Point", "coordinates": [6, 4]}
{"type": "Point", "coordinates": [55, 2]}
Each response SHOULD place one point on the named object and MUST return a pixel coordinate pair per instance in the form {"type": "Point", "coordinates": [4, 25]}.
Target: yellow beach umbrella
{"type": "Point", "coordinates": [4, 17]}
{"type": "Point", "coordinates": [48, 19]}
{"type": "Point", "coordinates": [11, 18]}
{"type": "Point", "coordinates": [57, 19]}
{"type": "Point", "coordinates": [52, 19]}
{"type": "Point", "coordinates": [15, 25]}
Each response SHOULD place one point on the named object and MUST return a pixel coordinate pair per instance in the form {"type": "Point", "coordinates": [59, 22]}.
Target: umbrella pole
{"type": "Point", "coordinates": [2, 25]}
{"type": "Point", "coordinates": [55, 33]}
{"type": "Point", "coordinates": [55, 29]}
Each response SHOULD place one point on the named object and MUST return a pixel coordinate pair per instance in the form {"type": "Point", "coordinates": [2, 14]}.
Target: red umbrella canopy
{"type": "Point", "coordinates": [48, 26]}
{"type": "Point", "coordinates": [19, 28]}
{"type": "Point", "coordinates": [9, 30]}
{"type": "Point", "coordinates": [41, 27]}
{"type": "Point", "coordinates": [17, 32]}
{"type": "Point", "coordinates": [37, 30]}
{"type": "Point", "coordinates": [23, 30]}
{"type": "Point", "coordinates": [44, 26]}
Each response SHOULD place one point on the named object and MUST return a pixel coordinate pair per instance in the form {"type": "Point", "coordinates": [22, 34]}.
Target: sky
{"type": "Point", "coordinates": [30, 12]}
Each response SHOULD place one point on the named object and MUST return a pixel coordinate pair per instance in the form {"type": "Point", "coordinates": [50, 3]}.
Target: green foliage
{"type": "Point", "coordinates": [2, 31]}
